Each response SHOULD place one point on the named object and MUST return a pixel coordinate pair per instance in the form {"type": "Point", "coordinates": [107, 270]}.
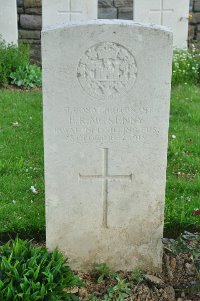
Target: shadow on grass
{"type": "Point", "coordinates": [170, 231]}
{"type": "Point", "coordinates": [175, 230]}
{"type": "Point", "coordinates": [36, 236]}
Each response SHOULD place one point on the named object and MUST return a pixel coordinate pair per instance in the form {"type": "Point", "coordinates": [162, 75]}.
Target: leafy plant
{"type": "Point", "coordinates": [103, 272]}
{"type": "Point", "coordinates": [120, 291]}
{"type": "Point", "coordinates": [137, 275]}
{"type": "Point", "coordinates": [27, 76]}
{"type": "Point", "coordinates": [31, 273]}
{"type": "Point", "coordinates": [11, 58]}
{"type": "Point", "coordinates": [187, 243]}
{"type": "Point", "coordinates": [92, 298]}
{"type": "Point", "coordinates": [186, 67]}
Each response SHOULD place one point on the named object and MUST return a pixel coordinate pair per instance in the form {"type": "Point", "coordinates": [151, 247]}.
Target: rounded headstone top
{"type": "Point", "coordinates": [106, 22]}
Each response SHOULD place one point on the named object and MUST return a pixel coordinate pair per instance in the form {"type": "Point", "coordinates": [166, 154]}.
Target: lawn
{"type": "Point", "coordinates": [183, 173]}
{"type": "Point", "coordinates": [21, 164]}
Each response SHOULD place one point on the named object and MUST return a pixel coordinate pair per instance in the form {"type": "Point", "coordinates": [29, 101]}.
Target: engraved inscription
{"type": "Point", "coordinates": [107, 125]}
{"type": "Point", "coordinates": [162, 11]}
{"type": "Point", "coordinates": [90, 135]}
{"type": "Point", "coordinates": [104, 178]}
{"type": "Point", "coordinates": [107, 69]}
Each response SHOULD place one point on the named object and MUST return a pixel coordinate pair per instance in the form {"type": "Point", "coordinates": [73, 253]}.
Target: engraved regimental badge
{"type": "Point", "coordinates": [107, 69]}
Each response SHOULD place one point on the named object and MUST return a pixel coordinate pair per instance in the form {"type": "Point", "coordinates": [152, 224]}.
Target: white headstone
{"type": "Point", "coordinates": [106, 111]}
{"type": "Point", "coordinates": [8, 21]}
{"type": "Point", "coordinates": [171, 13]}
{"type": "Point", "coordinates": [62, 11]}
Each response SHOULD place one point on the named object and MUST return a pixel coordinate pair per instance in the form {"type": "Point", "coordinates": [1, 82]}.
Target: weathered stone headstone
{"type": "Point", "coordinates": [8, 21]}
{"type": "Point", "coordinates": [61, 11]}
{"type": "Point", "coordinates": [171, 13]}
{"type": "Point", "coordinates": [106, 111]}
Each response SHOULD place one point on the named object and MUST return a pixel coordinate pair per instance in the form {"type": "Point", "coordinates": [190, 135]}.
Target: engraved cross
{"type": "Point", "coordinates": [162, 11]}
{"type": "Point", "coordinates": [70, 12]}
{"type": "Point", "coordinates": [105, 178]}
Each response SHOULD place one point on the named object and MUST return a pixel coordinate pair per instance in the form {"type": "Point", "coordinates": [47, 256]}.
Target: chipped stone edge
{"type": "Point", "coordinates": [107, 22]}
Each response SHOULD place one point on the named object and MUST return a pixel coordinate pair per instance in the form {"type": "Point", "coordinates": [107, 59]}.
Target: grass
{"type": "Point", "coordinates": [183, 174]}
{"type": "Point", "coordinates": [21, 164]}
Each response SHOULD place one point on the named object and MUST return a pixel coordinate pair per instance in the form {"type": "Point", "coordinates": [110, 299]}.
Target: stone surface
{"type": "Point", "coordinates": [31, 42]}
{"type": "Point", "coordinates": [29, 34]}
{"type": "Point", "coordinates": [153, 279]}
{"type": "Point", "coordinates": [20, 10]}
{"type": "Point", "coordinates": [8, 21]}
{"type": "Point", "coordinates": [191, 33]}
{"type": "Point", "coordinates": [31, 22]}
{"type": "Point", "coordinates": [32, 3]}
{"type": "Point", "coordinates": [195, 18]}
{"type": "Point", "coordinates": [125, 13]}
{"type": "Point", "coordinates": [58, 12]}
{"type": "Point", "coordinates": [197, 5]}
{"type": "Point", "coordinates": [35, 52]}
{"type": "Point", "coordinates": [121, 9]}
{"type": "Point", "coordinates": [33, 11]}
{"type": "Point", "coordinates": [123, 3]}
{"type": "Point", "coordinates": [105, 3]}
{"type": "Point", "coordinates": [107, 13]}
{"type": "Point", "coordinates": [20, 3]}
{"type": "Point", "coordinates": [171, 13]}
{"type": "Point", "coordinates": [106, 110]}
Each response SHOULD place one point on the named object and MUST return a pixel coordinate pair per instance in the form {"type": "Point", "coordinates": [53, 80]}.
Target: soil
{"type": "Point", "coordinates": [179, 281]}
{"type": "Point", "coordinates": [20, 89]}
